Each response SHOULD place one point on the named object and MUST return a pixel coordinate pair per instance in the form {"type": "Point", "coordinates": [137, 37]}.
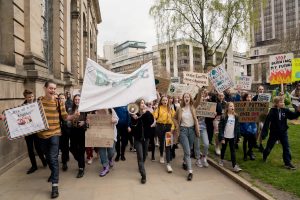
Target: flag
{"type": "Point", "coordinates": [105, 89]}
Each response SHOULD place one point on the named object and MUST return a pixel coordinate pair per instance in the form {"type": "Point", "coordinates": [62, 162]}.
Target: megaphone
{"type": "Point", "coordinates": [133, 108]}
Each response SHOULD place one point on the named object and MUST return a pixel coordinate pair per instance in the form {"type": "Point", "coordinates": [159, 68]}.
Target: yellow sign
{"type": "Point", "coordinates": [296, 69]}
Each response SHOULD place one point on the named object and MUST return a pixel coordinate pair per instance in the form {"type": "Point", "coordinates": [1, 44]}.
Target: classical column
{"type": "Point", "coordinates": [191, 54]}
{"type": "Point", "coordinates": [168, 68]}
{"type": "Point", "coordinates": [175, 66]}
{"type": "Point", "coordinates": [75, 41]}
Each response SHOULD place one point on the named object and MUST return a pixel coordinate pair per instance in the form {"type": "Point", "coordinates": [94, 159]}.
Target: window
{"type": "Point", "coordinates": [256, 72]}
{"type": "Point", "coordinates": [249, 70]}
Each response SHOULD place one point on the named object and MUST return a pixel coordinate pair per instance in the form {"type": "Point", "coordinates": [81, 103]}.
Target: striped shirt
{"type": "Point", "coordinates": [52, 115]}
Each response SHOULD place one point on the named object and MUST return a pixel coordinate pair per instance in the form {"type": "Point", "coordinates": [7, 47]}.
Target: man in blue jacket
{"type": "Point", "coordinates": [123, 128]}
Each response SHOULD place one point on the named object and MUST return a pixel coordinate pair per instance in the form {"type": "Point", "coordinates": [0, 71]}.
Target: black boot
{"type": "Point", "coordinates": [64, 167]}
{"type": "Point", "coordinates": [80, 173]}
{"type": "Point", "coordinates": [143, 179]}
{"type": "Point", "coordinates": [31, 170]}
{"type": "Point", "coordinates": [117, 158]}
{"type": "Point", "coordinates": [190, 177]}
{"type": "Point", "coordinates": [54, 193]}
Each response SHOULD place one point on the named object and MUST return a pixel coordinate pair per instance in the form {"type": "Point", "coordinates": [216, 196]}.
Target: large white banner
{"type": "Point", "coordinates": [105, 89]}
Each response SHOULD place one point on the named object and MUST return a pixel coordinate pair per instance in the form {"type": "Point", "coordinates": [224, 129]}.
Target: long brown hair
{"type": "Point", "coordinates": [227, 107]}
{"type": "Point", "coordinates": [191, 100]}
{"type": "Point", "coordinates": [160, 103]}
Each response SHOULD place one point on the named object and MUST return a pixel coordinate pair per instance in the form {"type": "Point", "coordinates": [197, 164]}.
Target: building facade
{"type": "Point", "coordinates": [42, 40]}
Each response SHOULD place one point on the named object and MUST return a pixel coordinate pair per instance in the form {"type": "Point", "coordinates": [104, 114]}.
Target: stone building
{"type": "Point", "coordinates": [41, 40]}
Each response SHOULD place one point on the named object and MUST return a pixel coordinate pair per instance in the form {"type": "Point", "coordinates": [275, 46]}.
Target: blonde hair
{"type": "Point", "coordinates": [277, 100]}
{"type": "Point", "coordinates": [227, 107]}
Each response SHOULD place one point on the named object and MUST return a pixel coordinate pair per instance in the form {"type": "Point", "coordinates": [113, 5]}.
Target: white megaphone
{"type": "Point", "coordinates": [133, 108]}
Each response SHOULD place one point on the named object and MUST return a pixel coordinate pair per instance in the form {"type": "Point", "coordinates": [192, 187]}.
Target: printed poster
{"type": "Point", "coordinates": [243, 82]}
{"type": "Point", "coordinates": [296, 69]}
{"type": "Point", "coordinates": [220, 79]}
{"type": "Point", "coordinates": [281, 68]}
{"type": "Point", "coordinates": [179, 89]}
{"type": "Point", "coordinates": [265, 97]}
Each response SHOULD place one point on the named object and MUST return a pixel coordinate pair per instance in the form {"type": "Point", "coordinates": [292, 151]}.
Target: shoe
{"type": "Point", "coordinates": [143, 179]}
{"type": "Point", "coordinates": [162, 160]}
{"type": "Point", "coordinates": [169, 168]}
{"type": "Point", "coordinates": [117, 158]}
{"type": "Point", "coordinates": [64, 167]}
{"type": "Point", "coordinates": [54, 192]}
{"type": "Point", "coordinates": [90, 161]}
{"type": "Point", "coordinates": [190, 177]}
{"type": "Point", "coordinates": [104, 171]}
{"type": "Point", "coordinates": [31, 170]}
{"type": "Point", "coordinates": [80, 173]}
{"type": "Point", "coordinates": [217, 151]}
{"type": "Point", "coordinates": [132, 149]}
{"type": "Point", "coordinates": [237, 169]}
{"type": "Point", "coordinates": [123, 158]}
{"type": "Point", "coordinates": [153, 159]}
{"type": "Point", "coordinates": [290, 166]}
{"type": "Point", "coordinates": [221, 163]}
{"type": "Point", "coordinates": [204, 161]}
{"type": "Point", "coordinates": [252, 157]}
{"type": "Point", "coordinates": [184, 166]}
{"type": "Point", "coordinates": [111, 163]}
{"type": "Point", "coordinates": [49, 179]}
{"type": "Point", "coordinates": [199, 163]}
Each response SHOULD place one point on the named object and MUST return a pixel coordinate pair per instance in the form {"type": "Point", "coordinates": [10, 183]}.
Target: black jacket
{"type": "Point", "coordinates": [276, 125]}
{"type": "Point", "coordinates": [141, 128]}
{"type": "Point", "coordinates": [220, 107]}
{"type": "Point", "coordinates": [222, 125]}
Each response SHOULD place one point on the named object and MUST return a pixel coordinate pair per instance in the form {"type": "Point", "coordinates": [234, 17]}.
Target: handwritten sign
{"type": "Point", "coordinates": [179, 89]}
{"type": "Point", "coordinates": [220, 79]}
{"type": "Point", "coordinates": [169, 139]}
{"type": "Point", "coordinates": [243, 82]}
{"type": "Point", "coordinates": [163, 84]}
{"type": "Point", "coordinates": [193, 78]}
{"type": "Point", "coordinates": [25, 120]}
{"type": "Point", "coordinates": [296, 69]}
{"type": "Point", "coordinates": [281, 68]}
{"type": "Point", "coordinates": [100, 132]}
{"type": "Point", "coordinates": [265, 97]}
{"type": "Point", "coordinates": [251, 111]}
{"type": "Point", "coordinates": [206, 109]}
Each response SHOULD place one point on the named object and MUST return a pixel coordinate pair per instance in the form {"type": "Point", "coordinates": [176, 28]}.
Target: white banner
{"type": "Point", "coordinates": [105, 89]}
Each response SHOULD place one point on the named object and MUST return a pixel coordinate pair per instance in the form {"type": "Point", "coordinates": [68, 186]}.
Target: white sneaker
{"type": "Point", "coordinates": [169, 168]}
{"type": "Point", "coordinates": [237, 169]}
{"type": "Point", "coordinates": [204, 160]}
{"type": "Point", "coordinates": [221, 163]}
{"type": "Point", "coordinates": [90, 161]}
{"type": "Point", "coordinates": [162, 160]}
{"type": "Point", "coordinates": [217, 150]}
{"type": "Point", "coordinates": [199, 163]}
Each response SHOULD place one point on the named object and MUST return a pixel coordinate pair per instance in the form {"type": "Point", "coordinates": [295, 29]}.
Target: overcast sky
{"type": "Point", "coordinates": [124, 20]}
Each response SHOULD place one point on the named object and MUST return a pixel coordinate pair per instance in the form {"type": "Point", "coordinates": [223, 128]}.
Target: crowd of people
{"type": "Point", "coordinates": [165, 122]}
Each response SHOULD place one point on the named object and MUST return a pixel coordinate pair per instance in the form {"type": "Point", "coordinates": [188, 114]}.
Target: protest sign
{"type": "Point", "coordinates": [265, 97]}
{"type": "Point", "coordinates": [281, 68]}
{"type": "Point", "coordinates": [243, 82]}
{"type": "Point", "coordinates": [251, 111]}
{"type": "Point", "coordinates": [296, 69]}
{"type": "Point", "coordinates": [175, 80]}
{"type": "Point", "coordinates": [193, 78]}
{"type": "Point", "coordinates": [220, 79]}
{"type": "Point", "coordinates": [169, 139]}
{"type": "Point", "coordinates": [206, 109]}
{"type": "Point", "coordinates": [179, 89]}
{"type": "Point", "coordinates": [100, 132]}
{"type": "Point", "coordinates": [25, 120]}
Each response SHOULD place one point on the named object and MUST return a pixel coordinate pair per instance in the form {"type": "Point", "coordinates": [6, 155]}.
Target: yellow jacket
{"type": "Point", "coordinates": [163, 115]}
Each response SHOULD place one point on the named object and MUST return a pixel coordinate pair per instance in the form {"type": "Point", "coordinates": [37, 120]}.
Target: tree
{"type": "Point", "coordinates": [211, 23]}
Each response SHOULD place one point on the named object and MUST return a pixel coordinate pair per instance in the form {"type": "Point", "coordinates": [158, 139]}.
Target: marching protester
{"type": "Point", "coordinates": [248, 131]}
{"type": "Point", "coordinates": [151, 140]}
{"type": "Point", "coordinates": [69, 102]}
{"type": "Point", "coordinates": [32, 140]}
{"type": "Point", "coordinates": [187, 124]}
{"type": "Point", "coordinates": [123, 128]}
{"type": "Point", "coordinates": [229, 130]}
{"type": "Point", "coordinates": [49, 139]}
{"type": "Point", "coordinates": [221, 104]}
{"type": "Point", "coordinates": [276, 121]}
{"type": "Point", "coordinates": [164, 124]}
{"type": "Point", "coordinates": [77, 136]}
{"type": "Point", "coordinates": [107, 153]}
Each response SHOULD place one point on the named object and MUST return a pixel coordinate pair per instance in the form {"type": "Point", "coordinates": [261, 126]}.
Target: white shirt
{"type": "Point", "coordinates": [229, 128]}
{"type": "Point", "coordinates": [187, 119]}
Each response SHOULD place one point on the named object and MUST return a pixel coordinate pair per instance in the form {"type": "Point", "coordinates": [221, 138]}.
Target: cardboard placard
{"type": "Point", "coordinates": [163, 84]}
{"type": "Point", "coordinates": [169, 139]}
{"type": "Point", "coordinates": [193, 78]}
{"type": "Point", "coordinates": [243, 82]}
{"type": "Point", "coordinates": [25, 120]}
{"type": "Point", "coordinates": [265, 97]}
{"type": "Point", "coordinates": [251, 111]}
{"type": "Point", "coordinates": [206, 109]}
{"type": "Point", "coordinates": [220, 79]}
{"type": "Point", "coordinates": [296, 69]}
{"type": "Point", "coordinates": [179, 89]}
{"type": "Point", "coordinates": [100, 132]}
{"type": "Point", "coordinates": [281, 68]}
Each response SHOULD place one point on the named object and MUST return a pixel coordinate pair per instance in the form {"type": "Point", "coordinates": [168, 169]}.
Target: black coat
{"type": "Point", "coordinates": [141, 127]}
{"type": "Point", "coordinates": [222, 125]}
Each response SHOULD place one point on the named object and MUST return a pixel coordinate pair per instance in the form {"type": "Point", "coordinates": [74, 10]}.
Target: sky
{"type": "Point", "coordinates": [124, 20]}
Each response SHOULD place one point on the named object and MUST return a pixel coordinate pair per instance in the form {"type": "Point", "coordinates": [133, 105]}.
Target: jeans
{"type": "Point", "coordinates": [204, 136]}
{"type": "Point", "coordinates": [251, 140]}
{"type": "Point", "coordinates": [122, 139]}
{"type": "Point", "coordinates": [33, 142]}
{"type": "Point", "coordinates": [186, 138]}
{"type": "Point", "coordinates": [286, 154]}
{"type": "Point", "coordinates": [161, 130]}
{"type": "Point", "coordinates": [50, 147]}
{"type": "Point", "coordinates": [64, 144]}
{"type": "Point", "coordinates": [232, 150]}
{"type": "Point", "coordinates": [141, 152]}
{"type": "Point", "coordinates": [77, 146]}
{"type": "Point", "coordinates": [152, 144]}
{"type": "Point", "coordinates": [106, 154]}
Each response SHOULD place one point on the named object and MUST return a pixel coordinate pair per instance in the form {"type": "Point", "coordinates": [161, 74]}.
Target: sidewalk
{"type": "Point", "coordinates": [123, 182]}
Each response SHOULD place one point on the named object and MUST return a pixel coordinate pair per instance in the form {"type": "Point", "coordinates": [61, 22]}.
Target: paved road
{"type": "Point", "coordinates": [122, 183]}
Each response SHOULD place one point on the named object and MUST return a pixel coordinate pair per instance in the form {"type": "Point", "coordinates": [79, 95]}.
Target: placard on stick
{"type": "Point", "coordinates": [251, 111]}
{"type": "Point", "coordinates": [281, 68]}
{"type": "Point", "coordinates": [265, 97]}
{"type": "Point", "coordinates": [100, 132]}
{"type": "Point", "coordinates": [193, 78]}
{"type": "Point", "coordinates": [179, 89]}
{"type": "Point", "coordinates": [206, 109]}
{"type": "Point", "coordinates": [243, 82]}
{"type": "Point", "coordinates": [220, 79]}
